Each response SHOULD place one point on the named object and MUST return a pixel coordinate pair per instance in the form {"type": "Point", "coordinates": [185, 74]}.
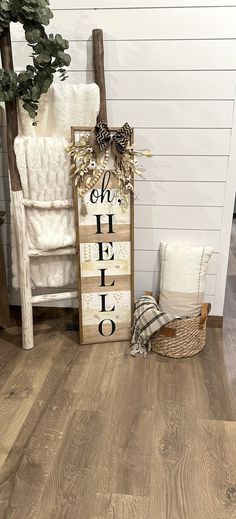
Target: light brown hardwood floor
{"type": "Point", "coordinates": [92, 433]}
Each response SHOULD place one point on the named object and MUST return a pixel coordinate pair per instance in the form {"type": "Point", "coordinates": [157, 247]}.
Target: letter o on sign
{"type": "Point", "coordinates": [100, 327]}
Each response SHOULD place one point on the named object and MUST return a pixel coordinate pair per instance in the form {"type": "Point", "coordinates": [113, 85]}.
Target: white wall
{"type": "Point", "coordinates": [170, 72]}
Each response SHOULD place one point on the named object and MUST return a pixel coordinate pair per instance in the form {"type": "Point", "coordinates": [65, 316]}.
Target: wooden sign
{"type": "Point", "coordinates": [104, 224]}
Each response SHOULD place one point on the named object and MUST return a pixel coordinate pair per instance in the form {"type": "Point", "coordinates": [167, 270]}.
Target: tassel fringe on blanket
{"type": "Point", "coordinates": [148, 319]}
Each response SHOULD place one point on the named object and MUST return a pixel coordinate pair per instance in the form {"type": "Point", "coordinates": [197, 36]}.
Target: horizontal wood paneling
{"type": "Point", "coordinates": [150, 281]}
{"type": "Point", "coordinates": [180, 193]}
{"type": "Point", "coordinates": [149, 261]}
{"type": "Point", "coordinates": [149, 24]}
{"type": "Point", "coordinates": [207, 299]}
{"type": "Point", "coordinates": [169, 217]}
{"type": "Point", "coordinates": [171, 114]}
{"type": "Point", "coordinates": [73, 303]}
{"type": "Point", "coordinates": [145, 260]}
{"type": "Point", "coordinates": [147, 55]}
{"type": "Point", "coordinates": [167, 168]}
{"type": "Point", "coordinates": [198, 169]}
{"type": "Point", "coordinates": [174, 141]}
{"type": "Point", "coordinates": [150, 239]}
{"type": "Point", "coordinates": [171, 72]}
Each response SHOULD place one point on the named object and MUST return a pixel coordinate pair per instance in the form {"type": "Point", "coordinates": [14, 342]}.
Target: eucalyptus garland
{"type": "Point", "coordinates": [47, 52]}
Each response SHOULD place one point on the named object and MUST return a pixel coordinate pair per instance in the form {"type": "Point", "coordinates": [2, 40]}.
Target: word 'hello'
{"type": "Point", "coordinates": [105, 249]}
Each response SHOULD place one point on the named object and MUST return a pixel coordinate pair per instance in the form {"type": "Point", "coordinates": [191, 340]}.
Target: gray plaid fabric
{"type": "Point", "coordinates": [148, 319]}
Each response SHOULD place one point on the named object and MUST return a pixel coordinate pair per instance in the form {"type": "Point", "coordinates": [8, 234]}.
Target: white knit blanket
{"type": "Point", "coordinates": [63, 106]}
{"type": "Point", "coordinates": [44, 171]}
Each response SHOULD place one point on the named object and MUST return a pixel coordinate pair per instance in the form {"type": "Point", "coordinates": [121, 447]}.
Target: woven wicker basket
{"type": "Point", "coordinates": [182, 337]}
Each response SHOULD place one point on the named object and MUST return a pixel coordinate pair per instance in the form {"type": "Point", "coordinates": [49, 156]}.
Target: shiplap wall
{"type": "Point", "coordinates": [171, 73]}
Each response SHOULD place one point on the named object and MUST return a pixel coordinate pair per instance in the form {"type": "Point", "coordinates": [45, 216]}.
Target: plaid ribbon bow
{"type": "Point", "coordinates": [101, 139]}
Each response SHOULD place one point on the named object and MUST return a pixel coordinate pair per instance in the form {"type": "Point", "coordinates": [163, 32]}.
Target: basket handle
{"type": "Point", "coordinates": [205, 310]}
{"type": "Point", "coordinates": [167, 332]}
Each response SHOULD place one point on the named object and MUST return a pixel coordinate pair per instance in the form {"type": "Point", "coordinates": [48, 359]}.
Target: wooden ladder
{"type": "Point", "coordinates": [19, 202]}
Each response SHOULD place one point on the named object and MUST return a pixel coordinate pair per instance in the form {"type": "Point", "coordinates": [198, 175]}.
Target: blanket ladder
{"type": "Point", "coordinates": [19, 202]}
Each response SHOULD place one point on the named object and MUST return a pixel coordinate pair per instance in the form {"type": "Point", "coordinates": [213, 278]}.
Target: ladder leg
{"type": "Point", "coordinates": [24, 270]}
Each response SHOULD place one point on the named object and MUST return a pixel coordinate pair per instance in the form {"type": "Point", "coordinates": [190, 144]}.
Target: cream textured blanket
{"type": "Point", "coordinates": [44, 171]}
{"type": "Point", "coordinates": [63, 106]}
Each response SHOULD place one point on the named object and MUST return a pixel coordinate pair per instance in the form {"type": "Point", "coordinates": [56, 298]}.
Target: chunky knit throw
{"type": "Point", "coordinates": [44, 171]}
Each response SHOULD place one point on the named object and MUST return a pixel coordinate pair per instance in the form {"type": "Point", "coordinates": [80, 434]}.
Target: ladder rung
{"type": "Point", "coordinates": [45, 298]}
{"type": "Point", "coordinates": [54, 252]}
{"type": "Point", "coordinates": [48, 204]}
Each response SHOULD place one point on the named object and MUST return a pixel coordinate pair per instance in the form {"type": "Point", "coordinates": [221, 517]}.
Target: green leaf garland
{"type": "Point", "coordinates": [48, 53]}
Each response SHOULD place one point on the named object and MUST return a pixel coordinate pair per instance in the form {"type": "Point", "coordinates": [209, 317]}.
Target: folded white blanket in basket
{"type": "Point", "coordinates": [44, 171]}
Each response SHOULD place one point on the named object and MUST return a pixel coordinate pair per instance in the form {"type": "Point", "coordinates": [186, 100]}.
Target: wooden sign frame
{"type": "Point", "coordinates": [114, 337]}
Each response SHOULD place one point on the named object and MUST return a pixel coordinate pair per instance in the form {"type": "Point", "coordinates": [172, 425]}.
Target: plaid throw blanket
{"type": "Point", "coordinates": [148, 319]}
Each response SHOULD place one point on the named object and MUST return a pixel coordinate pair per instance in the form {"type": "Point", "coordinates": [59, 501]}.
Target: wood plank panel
{"type": "Point", "coordinates": [5, 233]}
{"type": "Point", "coordinates": [178, 217]}
{"type": "Point", "coordinates": [88, 233]}
{"type": "Point", "coordinates": [93, 283]}
{"type": "Point", "coordinates": [184, 142]}
{"type": "Point", "coordinates": [150, 281]}
{"type": "Point", "coordinates": [149, 84]}
{"type": "Point", "coordinates": [171, 114]}
{"type": "Point", "coordinates": [123, 506]}
{"type": "Point", "coordinates": [3, 164]}
{"type": "Point", "coordinates": [196, 169]}
{"type": "Point", "coordinates": [117, 4]}
{"type": "Point", "coordinates": [207, 299]}
{"type": "Point", "coordinates": [16, 403]}
{"type": "Point", "coordinates": [92, 335]}
{"type": "Point", "coordinates": [170, 85]}
{"type": "Point", "coordinates": [149, 24]}
{"type": "Point", "coordinates": [159, 55]}
{"type": "Point", "coordinates": [178, 142]}
{"type": "Point", "coordinates": [191, 55]}
{"type": "Point", "coordinates": [180, 193]}
{"type": "Point", "coordinates": [4, 188]}
{"type": "Point", "coordinates": [216, 447]}
{"type": "Point", "coordinates": [149, 261]}
{"type": "Point", "coordinates": [150, 239]}
{"type": "Point", "coordinates": [3, 140]}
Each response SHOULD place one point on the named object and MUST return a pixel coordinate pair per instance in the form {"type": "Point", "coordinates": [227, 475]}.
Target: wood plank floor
{"type": "Point", "coordinates": [92, 433]}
